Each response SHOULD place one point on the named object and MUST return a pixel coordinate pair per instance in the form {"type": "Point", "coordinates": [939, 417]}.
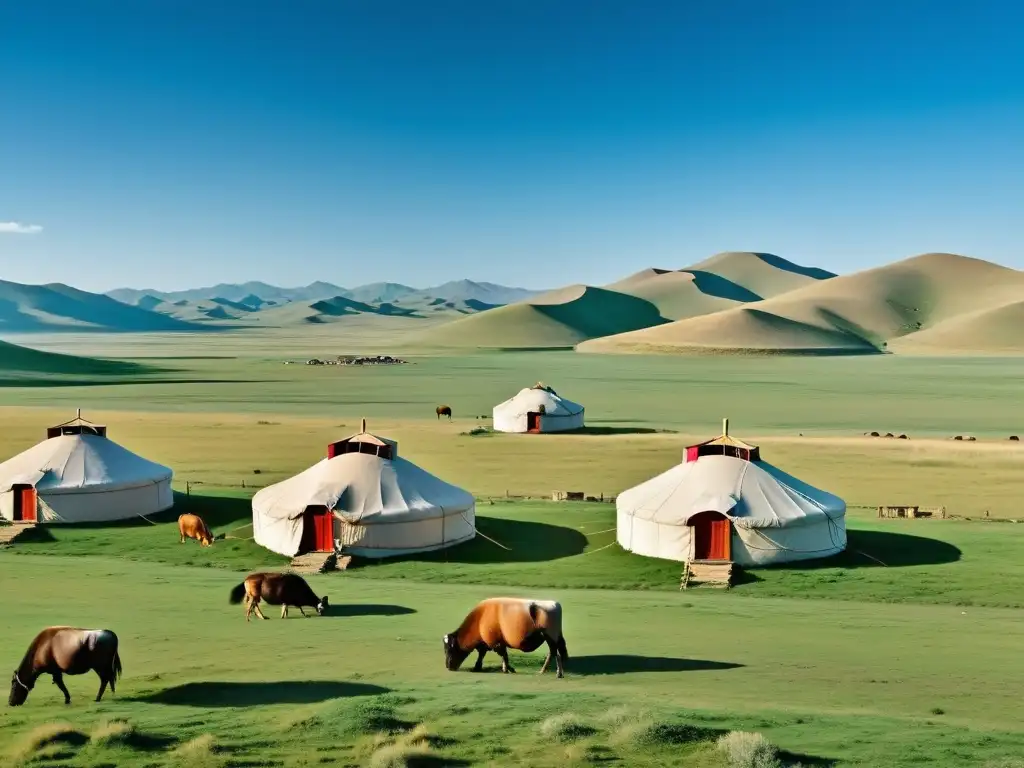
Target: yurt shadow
{"type": "Point", "coordinates": [609, 430]}
{"type": "Point", "coordinates": [882, 549]}
{"type": "Point", "coordinates": [622, 664]}
{"type": "Point", "coordinates": [521, 541]}
{"type": "Point", "coordinates": [257, 694]}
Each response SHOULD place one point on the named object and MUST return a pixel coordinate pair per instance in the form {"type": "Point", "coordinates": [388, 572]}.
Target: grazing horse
{"type": "Point", "coordinates": [193, 527]}
{"type": "Point", "coordinates": [444, 410]}
{"type": "Point", "coordinates": [500, 623]}
{"type": "Point", "coordinates": [59, 651]}
{"type": "Point", "coordinates": [282, 589]}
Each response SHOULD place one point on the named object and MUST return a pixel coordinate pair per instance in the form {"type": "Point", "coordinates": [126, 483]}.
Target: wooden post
{"type": "Point", "coordinates": [362, 429]}
{"type": "Point", "coordinates": [725, 427]}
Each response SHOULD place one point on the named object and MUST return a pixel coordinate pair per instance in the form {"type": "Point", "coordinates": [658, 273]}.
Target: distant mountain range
{"type": "Point", "coordinates": [730, 303]}
{"type": "Point", "coordinates": [257, 295]}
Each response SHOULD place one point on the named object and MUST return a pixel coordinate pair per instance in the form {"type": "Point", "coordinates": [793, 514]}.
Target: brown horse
{"type": "Point", "coordinates": [59, 651]}
{"type": "Point", "coordinates": [500, 623]}
{"type": "Point", "coordinates": [282, 589]}
{"type": "Point", "coordinates": [444, 410]}
{"type": "Point", "coordinates": [194, 527]}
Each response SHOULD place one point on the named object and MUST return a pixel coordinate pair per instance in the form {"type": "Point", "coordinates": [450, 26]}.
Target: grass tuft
{"type": "Point", "coordinates": [200, 752]}
{"type": "Point", "coordinates": [749, 750]}
{"type": "Point", "coordinates": [566, 727]}
{"type": "Point", "coordinates": [52, 741]}
{"type": "Point", "coordinates": [112, 732]}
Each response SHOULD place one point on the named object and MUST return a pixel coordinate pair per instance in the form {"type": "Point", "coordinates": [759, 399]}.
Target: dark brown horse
{"type": "Point", "coordinates": [282, 589]}
{"type": "Point", "coordinates": [59, 651]}
{"type": "Point", "coordinates": [444, 410]}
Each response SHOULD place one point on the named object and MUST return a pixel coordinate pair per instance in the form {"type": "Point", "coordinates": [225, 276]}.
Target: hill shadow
{"type": "Point", "coordinates": [788, 266]}
{"type": "Point", "coordinates": [527, 542]}
{"type": "Point", "coordinates": [715, 285]}
{"type": "Point", "coordinates": [622, 664]}
{"type": "Point", "coordinates": [348, 610]}
{"type": "Point", "coordinates": [220, 694]}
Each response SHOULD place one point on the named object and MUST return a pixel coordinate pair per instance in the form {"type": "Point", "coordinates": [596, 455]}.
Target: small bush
{"type": "Point", "coordinates": [653, 734]}
{"type": "Point", "coordinates": [402, 756]}
{"type": "Point", "coordinates": [749, 750]}
{"type": "Point", "coordinates": [566, 727]}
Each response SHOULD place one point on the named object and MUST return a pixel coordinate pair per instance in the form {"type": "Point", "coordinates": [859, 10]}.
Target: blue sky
{"type": "Point", "coordinates": [173, 144]}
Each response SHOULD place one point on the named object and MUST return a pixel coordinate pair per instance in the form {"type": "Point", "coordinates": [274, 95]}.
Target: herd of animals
{"type": "Point", "coordinates": [495, 624]}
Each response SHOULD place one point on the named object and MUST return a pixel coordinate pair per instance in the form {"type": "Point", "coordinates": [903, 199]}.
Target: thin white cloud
{"type": "Point", "coordinates": [17, 228]}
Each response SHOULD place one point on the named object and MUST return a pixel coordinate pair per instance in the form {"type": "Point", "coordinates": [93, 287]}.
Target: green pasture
{"type": "Point", "coordinates": [936, 397]}
{"type": "Point", "coordinates": [903, 651]}
{"type": "Point", "coordinates": [841, 676]}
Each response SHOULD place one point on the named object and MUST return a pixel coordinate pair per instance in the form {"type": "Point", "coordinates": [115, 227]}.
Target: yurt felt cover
{"type": "Point", "coordinates": [359, 488]}
{"type": "Point", "coordinates": [511, 415]}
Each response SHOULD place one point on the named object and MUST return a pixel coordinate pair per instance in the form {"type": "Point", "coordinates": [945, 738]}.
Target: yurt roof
{"type": "Point", "coordinates": [362, 436]}
{"type": "Point", "coordinates": [751, 494]}
{"type": "Point", "coordinates": [361, 487]}
{"type": "Point", "coordinates": [80, 462]}
{"type": "Point", "coordinates": [531, 398]}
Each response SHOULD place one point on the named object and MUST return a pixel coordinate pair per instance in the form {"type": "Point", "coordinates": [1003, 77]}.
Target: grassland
{"type": "Point", "coordinates": [904, 651]}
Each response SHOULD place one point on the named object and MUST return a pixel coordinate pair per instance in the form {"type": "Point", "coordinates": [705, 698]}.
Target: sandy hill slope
{"type": "Point", "coordinates": [763, 274]}
{"type": "Point", "coordinates": [18, 361]}
{"type": "Point", "coordinates": [558, 319]}
{"type": "Point", "coordinates": [723, 281]}
{"type": "Point", "coordinates": [60, 307]}
{"type": "Point", "coordinates": [862, 311]}
{"type": "Point", "coordinates": [987, 331]}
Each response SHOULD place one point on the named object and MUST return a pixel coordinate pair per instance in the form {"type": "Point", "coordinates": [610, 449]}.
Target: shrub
{"type": "Point", "coordinates": [749, 750]}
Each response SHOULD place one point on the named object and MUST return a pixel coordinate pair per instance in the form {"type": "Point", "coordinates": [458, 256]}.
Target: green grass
{"type": "Point", "coordinates": [911, 663]}
{"type": "Point", "coordinates": [850, 681]}
{"type": "Point", "coordinates": [550, 545]}
{"type": "Point", "coordinates": [922, 397]}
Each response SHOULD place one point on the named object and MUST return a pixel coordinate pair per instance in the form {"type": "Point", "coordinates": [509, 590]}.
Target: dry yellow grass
{"type": "Point", "coordinates": [970, 479]}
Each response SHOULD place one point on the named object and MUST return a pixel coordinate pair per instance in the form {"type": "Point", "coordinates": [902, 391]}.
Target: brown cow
{"type": "Point", "coordinates": [444, 410]}
{"type": "Point", "coordinates": [192, 527]}
{"type": "Point", "coordinates": [282, 589]}
{"type": "Point", "coordinates": [500, 623]}
{"type": "Point", "coordinates": [59, 651]}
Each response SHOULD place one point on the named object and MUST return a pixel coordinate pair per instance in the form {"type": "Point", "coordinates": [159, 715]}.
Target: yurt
{"type": "Point", "coordinates": [725, 503]}
{"type": "Point", "coordinates": [79, 475]}
{"type": "Point", "coordinates": [537, 409]}
{"type": "Point", "coordinates": [362, 499]}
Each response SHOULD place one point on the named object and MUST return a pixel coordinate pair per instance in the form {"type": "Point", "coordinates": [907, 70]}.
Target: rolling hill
{"type": "Point", "coordinates": [17, 361]}
{"type": "Point", "coordinates": [721, 282]}
{"type": "Point", "coordinates": [55, 307]}
{"type": "Point", "coordinates": [940, 296]}
{"type": "Point", "coordinates": [555, 320]}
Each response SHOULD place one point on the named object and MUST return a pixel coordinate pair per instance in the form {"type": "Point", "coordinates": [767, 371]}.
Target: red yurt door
{"type": "Point", "coordinates": [25, 502]}
{"type": "Point", "coordinates": [324, 524]}
{"type": "Point", "coordinates": [712, 536]}
{"type": "Point", "coordinates": [533, 422]}
{"type": "Point", "coordinates": [317, 530]}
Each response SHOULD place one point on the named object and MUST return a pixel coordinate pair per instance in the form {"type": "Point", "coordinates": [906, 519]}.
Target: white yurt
{"type": "Point", "coordinates": [365, 500]}
{"type": "Point", "coordinates": [79, 475]}
{"type": "Point", "coordinates": [724, 503]}
{"type": "Point", "coordinates": [537, 409]}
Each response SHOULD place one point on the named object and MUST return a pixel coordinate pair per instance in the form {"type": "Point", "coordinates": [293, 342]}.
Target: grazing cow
{"type": "Point", "coordinates": [1015, 438]}
{"type": "Point", "coordinates": [500, 623]}
{"type": "Point", "coordinates": [282, 589]}
{"type": "Point", "coordinates": [193, 527]}
{"type": "Point", "coordinates": [57, 651]}
{"type": "Point", "coordinates": [444, 410]}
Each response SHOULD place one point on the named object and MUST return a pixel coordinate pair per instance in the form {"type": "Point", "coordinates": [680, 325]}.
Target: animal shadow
{"type": "Point", "coordinates": [620, 664]}
{"type": "Point", "coordinates": [348, 610]}
{"type": "Point", "coordinates": [223, 694]}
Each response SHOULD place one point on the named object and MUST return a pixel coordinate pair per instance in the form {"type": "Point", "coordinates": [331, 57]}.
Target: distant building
{"type": "Point", "coordinates": [537, 409]}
